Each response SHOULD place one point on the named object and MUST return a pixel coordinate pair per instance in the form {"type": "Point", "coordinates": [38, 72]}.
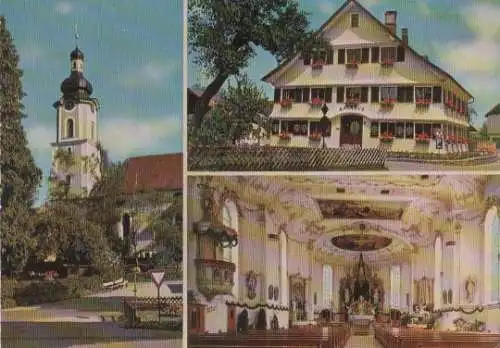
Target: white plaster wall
{"type": "Point", "coordinates": [471, 258]}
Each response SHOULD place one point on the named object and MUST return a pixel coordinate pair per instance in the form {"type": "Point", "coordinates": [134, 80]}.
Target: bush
{"type": "Point", "coordinates": [8, 302]}
{"type": "Point", "coordinates": [8, 287]}
{"type": "Point", "coordinates": [42, 292]}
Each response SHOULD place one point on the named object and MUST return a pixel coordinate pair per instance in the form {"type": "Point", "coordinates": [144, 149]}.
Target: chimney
{"type": "Point", "coordinates": [390, 21]}
{"type": "Point", "coordinates": [404, 35]}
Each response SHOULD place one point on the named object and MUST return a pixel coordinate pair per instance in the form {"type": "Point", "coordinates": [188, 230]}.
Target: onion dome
{"type": "Point", "coordinates": [76, 54]}
{"type": "Point", "coordinates": [76, 84]}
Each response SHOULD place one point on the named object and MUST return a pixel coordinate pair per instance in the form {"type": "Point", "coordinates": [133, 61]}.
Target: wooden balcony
{"type": "Point", "coordinates": [214, 277]}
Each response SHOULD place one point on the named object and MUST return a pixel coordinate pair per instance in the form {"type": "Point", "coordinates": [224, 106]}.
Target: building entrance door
{"type": "Point", "coordinates": [351, 132]}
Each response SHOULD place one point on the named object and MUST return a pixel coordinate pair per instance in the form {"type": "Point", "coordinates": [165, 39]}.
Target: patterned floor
{"type": "Point", "coordinates": [363, 342]}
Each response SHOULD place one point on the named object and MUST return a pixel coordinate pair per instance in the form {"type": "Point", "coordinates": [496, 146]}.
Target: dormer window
{"type": "Point", "coordinates": [355, 20]}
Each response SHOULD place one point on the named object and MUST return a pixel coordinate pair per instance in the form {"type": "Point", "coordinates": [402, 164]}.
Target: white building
{"type": "Point", "coordinates": [289, 245]}
{"type": "Point", "coordinates": [493, 124]}
{"type": "Point", "coordinates": [378, 90]}
{"type": "Point", "coordinates": [77, 129]}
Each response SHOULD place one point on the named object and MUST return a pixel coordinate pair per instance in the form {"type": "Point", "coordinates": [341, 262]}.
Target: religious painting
{"type": "Point", "coordinates": [347, 209]}
{"type": "Point", "coordinates": [424, 291]}
{"type": "Point", "coordinates": [251, 285]}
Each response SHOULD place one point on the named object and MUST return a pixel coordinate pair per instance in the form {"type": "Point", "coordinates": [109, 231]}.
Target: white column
{"type": "Point", "coordinates": [412, 286]}
{"type": "Point", "coordinates": [437, 272]}
{"type": "Point", "coordinates": [456, 270]}
{"type": "Point", "coordinates": [487, 257]}
{"type": "Point", "coordinates": [283, 270]}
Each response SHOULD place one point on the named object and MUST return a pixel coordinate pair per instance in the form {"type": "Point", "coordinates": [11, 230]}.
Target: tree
{"type": "Point", "coordinates": [20, 176]}
{"type": "Point", "coordinates": [240, 113]}
{"type": "Point", "coordinates": [223, 36]}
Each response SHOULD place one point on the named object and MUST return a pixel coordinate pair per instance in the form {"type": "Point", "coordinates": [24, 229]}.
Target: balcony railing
{"type": "Point", "coordinates": [214, 277]}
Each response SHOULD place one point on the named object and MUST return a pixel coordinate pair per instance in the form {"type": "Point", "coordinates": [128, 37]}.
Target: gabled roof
{"type": "Point", "coordinates": [343, 7]}
{"type": "Point", "coordinates": [154, 172]}
{"type": "Point", "coordinates": [494, 111]}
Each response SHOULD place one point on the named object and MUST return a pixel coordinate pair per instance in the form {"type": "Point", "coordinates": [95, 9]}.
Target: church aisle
{"type": "Point", "coordinates": [363, 342]}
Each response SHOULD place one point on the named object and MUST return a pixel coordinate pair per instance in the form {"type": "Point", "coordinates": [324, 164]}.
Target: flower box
{"type": "Point", "coordinates": [386, 137]}
{"type": "Point", "coordinates": [388, 102]}
{"type": "Point", "coordinates": [450, 139]}
{"type": "Point", "coordinates": [449, 103]}
{"type": "Point", "coordinates": [387, 62]}
{"type": "Point", "coordinates": [285, 136]}
{"type": "Point", "coordinates": [286, 103]}
{"type": "Point", "coordinates": [316, 102]}
{"type": "Point", "coordinates": [423, 138]}
{"type": "Point", "coordinates": [351, 102]}
{"type": "Point", "coordinates": [423, 102]}
{"type": "Point", "coordinates": [317, 64]}
{"type": "Point", "coordinates": [352, 65]}
{"type": "Point", "coordinates": [315, 137]}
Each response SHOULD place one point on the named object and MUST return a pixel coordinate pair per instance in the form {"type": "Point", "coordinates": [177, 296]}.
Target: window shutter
{"type": "Point", "coordinates": [375, 54]}
{"type": "Point", "coordinates": [328, 95]}
{"type": "Point", "coordinates": [341, 58]}
{"type": "Point", "coordinates": [305, 95]}
{"type": "Point", "coordinates": [401, 54]}
{"type": "Point", "coordinates": [365, 55]}
{"type": "Point", "coordinates": [329, 56]}
{"type": "Point", "coordinates": [364, 94]}
{"type": "Point", "coordinates": [375, 92]}
{"type": "Point", "coordinates": [307, 58]}
{"type": "Point", "coordinates": [436, 94]}
{"type": "Point", "coordinates": [340, 94]}
{"type": "Point", "coordinates": [277, 95]}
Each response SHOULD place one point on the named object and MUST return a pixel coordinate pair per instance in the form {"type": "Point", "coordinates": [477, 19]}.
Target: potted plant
{"type": "Point", "coordinates": [286, 103]}
{"type": "Point", "coordinates": [423, 102]}
{"type": "Point", "coordinates": [386, 137]}
{"type": "Point", "coordinates": [285, 136]}
{"type": "Point", "coordinates": [423, 138]}
{"type": "Point", "coordinates": [316, 102]}
{"type": "Point", "coordinates": [387, 102]}
{"type": "Point", "coordinates": [387, 62]}
{"type": "Point", "coordinates": [315, 136]}
{"type": "Point", "coordinates": [318, 63]}
{"type": "Point", "coordinates": [353, 64]}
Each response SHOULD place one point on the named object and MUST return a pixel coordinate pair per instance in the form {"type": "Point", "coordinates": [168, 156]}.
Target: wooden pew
{"type": "Point", "coordinates": [421, 338]}
{"type": "Point", "coordinates": [336, 337]}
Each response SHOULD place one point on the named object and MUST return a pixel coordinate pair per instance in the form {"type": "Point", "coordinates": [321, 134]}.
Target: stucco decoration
{"type": "Point", "coordinates": [470, 289]}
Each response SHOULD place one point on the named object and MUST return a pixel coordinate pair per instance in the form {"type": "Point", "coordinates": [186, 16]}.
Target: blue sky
{"type": "Point", "coordinates": [133, 58]}
{"type": "Point", "coordinates": [460, 36]}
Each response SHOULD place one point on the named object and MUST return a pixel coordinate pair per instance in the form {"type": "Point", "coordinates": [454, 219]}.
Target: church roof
{"type": "Point", "coordinates": [154, 172]}
{"type": "Point", "coordinates": [76, 82]}
{"type": "Point", "coordinates": [399, 40]}
{"type": "Point", "coordinates": [76, 54]}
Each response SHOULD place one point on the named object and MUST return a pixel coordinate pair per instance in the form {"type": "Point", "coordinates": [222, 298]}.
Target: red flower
{"type": "Point", "coordinates": [286, 102]}
{"type": "Point", "coordinates": [316, 101]}
{"type": "Point", "coordinates": [318, 64]}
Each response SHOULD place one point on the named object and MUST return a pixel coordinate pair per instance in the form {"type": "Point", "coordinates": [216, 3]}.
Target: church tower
{"type": "Point", "coordinates": [76, 136]}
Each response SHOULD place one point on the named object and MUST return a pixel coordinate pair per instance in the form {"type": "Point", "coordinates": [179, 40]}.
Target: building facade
{"type": "Point", "coordinates": [76, 130]}
{"type": "Point", "coordinates": [292, 247]}
{"type": "Point", "coordinates": [493, 125]}
{"type": "Point", "coordinates": [378, 91]}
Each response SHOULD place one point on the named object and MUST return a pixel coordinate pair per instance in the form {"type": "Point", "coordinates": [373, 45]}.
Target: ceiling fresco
{"type": "Point", "coordinates": [361, 242]}
{"type": "Point", "coordinates": [351, 209]}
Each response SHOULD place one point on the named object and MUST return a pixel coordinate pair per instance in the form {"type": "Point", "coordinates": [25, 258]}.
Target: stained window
{"type": "Point", "coordinates": [395, 286]}
{"type": "Point", "coordinates": [327, 286]}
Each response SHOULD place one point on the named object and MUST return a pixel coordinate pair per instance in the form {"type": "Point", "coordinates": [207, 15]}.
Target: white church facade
{"type": "Point", "coordinates": [377, 89]}
{"type": "Point", "coordinates": [289, 250]}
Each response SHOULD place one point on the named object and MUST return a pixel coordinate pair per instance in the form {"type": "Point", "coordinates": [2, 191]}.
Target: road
{"type": "Point", "coordinates": [78, 323]}
{"type": "Point", "coordinates": [423, 167]}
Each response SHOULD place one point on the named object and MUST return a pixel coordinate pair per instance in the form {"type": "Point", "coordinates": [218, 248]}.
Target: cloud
{"type": "Point", "coordinates": [423, 8]}
{"type": "Point", "coordinates": [150, 73]}
{"type": "Point", "coordinates": [64, 7]}
{"type": "Point", "coordinates": [124, 137]}
{"type": "Point", "coordinates": [369, 3]}
{"type": "Point", "coordinates": [39, 138]}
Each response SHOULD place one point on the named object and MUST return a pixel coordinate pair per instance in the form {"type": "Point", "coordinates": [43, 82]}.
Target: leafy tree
{"type": "Point", "coordinates": [20, 175]}
{"type": "Point", "coordinates": [241, 112]}
{"type": "Point", "coordinates": [223, 36]}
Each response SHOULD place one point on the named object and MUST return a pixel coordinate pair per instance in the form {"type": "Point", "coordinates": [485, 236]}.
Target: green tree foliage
{"type": "Point", "coordinates": [240, 112]}
{"type": "Point", "coordinates": [223, 36]}
{"type": "Point", "coordinates": [20, 175]}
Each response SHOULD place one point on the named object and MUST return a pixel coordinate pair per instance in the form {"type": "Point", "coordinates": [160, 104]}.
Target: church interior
{"type": "Point", "coordinates": [355, 255]}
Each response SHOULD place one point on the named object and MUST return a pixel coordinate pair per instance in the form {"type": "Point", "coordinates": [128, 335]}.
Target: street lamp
{"type": "Point", "coordinates": [324, 123]}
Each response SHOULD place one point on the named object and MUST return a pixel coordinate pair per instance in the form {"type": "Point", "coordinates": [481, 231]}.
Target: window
{"type": "Point", "coordinates": [374, 130]}
{"type": "Point", "coordinates": [409, 130]}
{"type": "Point", "coordinates": [307, 58]}
{"type": "Point", "coordinates": [375, 54]}
{"type": "Point", "coordinates": [405, 94]}
{"type": "Point", "coordinates": [228, 222]}
{"type": "Point", "coordinates": [353, 93]}
{"type": "Point", "coordinates": [329, 56]}
{"type": "Point", "coordinates": [436, 94]}
{"type": "Point", "coordinates": [434, 129]}
{"type": "Point", "coordinates": [395, 286]}
{"type": "Point", "coordinates": [327, 286]}
{"type": "Point", "coordinates": [315, 127]}
{"type": "Point", "coordinates": [401, 54]}
{"type": "Point", "coordinates": [289, 94]}
{"type": "Point", "coordinates": [387, 128]}
{"type": "Point", "coordinates": [389, 93]}
{"type": "Point", "coordinates": [92, 126]}
{"type": "Point", "coordinates": [355, 20]}
{"type": "Point", "coordinates": [354, 55]}
{"type": "Point", "coordinates": [68, 180]}
{"type": "Point", "coordinates": [69, 150]}
{"type": "Point", "coordinates": [277, 95]}
{"type": "Point", "coordinates": [400, 130]}
{"type": "Point", "coordinates": [275, 127]}
{"type": "Point", "coordinates": [365, 55]}
{"type": "Point", "coordinates": [305, 94]}
{"type": "Point", "coordinates": [364, 94]}
{"type": "Point", "coordinates": [325, 94]}
{"type": "Point", "coordinates": [294, 127]}
{"type": "Point", "coordinates": [70, 128]}
{"type": "Point", "coordinates": [388, 54]}
{"type": "Point", "coordinates": [340, 94]}
{"type": "Point", "coordinates": [423, 128]}
{"type": "Point", "coordinates": [423, 94]}
{"type": "Point", "coordinates": [375, 94]}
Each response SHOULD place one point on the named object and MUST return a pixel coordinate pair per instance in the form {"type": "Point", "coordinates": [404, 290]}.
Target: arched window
{"type": "Point", "coordinates": [70, 128]}
{"type": "Point", "coordinates": [327, 286]}
{"type": "Point", "coordinates": [395, 286]}
{"type": "Point", "coordinates": [227, 220]}
{"type": "Point", "coordinates": [494, 230]}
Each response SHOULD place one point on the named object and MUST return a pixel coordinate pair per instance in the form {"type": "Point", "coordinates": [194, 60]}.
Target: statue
{"type": "Point", "coordinates": [470, 288]}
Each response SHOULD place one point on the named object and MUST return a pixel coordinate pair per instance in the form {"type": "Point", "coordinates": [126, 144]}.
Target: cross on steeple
{"type": "Point", "coordinates": [76, 35]}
